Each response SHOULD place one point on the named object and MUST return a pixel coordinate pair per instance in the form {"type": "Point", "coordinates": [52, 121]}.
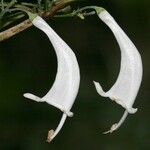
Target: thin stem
{"type": "Point", "coordinates": [96, 8]}
{"type": "Point", "coordinates": [89, 13]}
{"type": "Point", "coordinates": [73, 14]}
{"type": "Point", "coordinates": [117, 125]}
{"type": "Point", "coordinates": [65, 15]}
{"type": "Point", "coordinates": [77, 12]}
{"type": "Point", "coordinates": [52, 133]}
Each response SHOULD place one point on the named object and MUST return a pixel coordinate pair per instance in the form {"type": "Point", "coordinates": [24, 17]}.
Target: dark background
{"type": "Point", "coordinates": [28, 64]}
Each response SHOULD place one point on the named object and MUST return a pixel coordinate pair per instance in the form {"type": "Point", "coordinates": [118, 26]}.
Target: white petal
{"type": "Point", "coordinates": [65, 88]}
{"type": "Point", "coordinates": [125, 89]}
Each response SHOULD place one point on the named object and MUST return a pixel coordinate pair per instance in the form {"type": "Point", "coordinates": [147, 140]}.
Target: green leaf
{"type": "Point", "coordinates": [7, 20]}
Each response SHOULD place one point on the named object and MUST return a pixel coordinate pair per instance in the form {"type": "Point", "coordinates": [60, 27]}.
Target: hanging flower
{"type": "Point", "coordinates": [126, 87]}
{"type": "Point", "coordinates": [65, 88]}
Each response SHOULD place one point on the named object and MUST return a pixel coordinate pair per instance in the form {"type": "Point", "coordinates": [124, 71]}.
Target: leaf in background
{"type": "Point", "coordinates": [10, 19]}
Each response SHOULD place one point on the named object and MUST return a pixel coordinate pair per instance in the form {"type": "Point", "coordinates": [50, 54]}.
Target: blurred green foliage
{"type": "Point", "coordinates": [28, 64]}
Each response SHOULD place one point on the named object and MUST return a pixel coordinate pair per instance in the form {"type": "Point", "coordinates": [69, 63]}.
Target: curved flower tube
{"type": "Point", "coordinates": [126, 87]}
{"type": "Point", "coordinates": [65, 87]}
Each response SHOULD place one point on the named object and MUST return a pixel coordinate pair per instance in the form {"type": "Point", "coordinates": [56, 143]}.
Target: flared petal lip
{"type": "Point", "coordinates": [113, 98]}
{"type": "Point", "coordinates": [38, 99]}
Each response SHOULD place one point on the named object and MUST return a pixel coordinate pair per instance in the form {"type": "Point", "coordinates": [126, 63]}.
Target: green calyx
{"type": "Point", "coordinates": [99, 10]}
{"type": "Point", "coordinates": [31, 16]}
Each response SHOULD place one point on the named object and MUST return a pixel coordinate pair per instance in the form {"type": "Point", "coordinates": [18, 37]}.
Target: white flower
{"type": "Point", "coordinates": [65, 88]}
{"type": "Point", "coordinates": [125, 89]}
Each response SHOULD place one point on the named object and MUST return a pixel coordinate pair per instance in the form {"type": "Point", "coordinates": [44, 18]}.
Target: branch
{"type": "Point", "coordinates": [14, 30]}
{"type": "Point", "coordinates": [27, 23]}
